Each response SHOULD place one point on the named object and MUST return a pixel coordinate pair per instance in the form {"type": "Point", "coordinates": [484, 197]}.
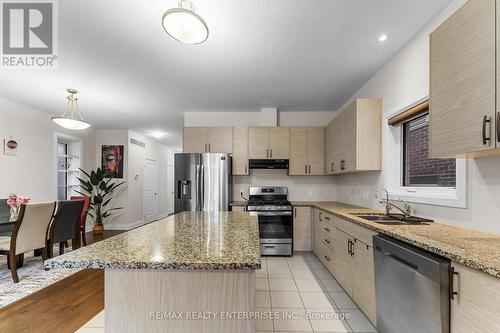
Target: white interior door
{"type": "Point", "coordinates": [170, 188]}
{"type": "Point", "coordinates": [150, 190]}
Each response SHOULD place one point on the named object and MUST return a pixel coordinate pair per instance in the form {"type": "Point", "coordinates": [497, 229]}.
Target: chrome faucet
{"type": "Point", "coordinates": [406, 210]}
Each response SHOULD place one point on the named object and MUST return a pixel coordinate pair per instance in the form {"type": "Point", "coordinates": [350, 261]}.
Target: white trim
{"type": "Point", "coordinates": [450, 197]}
{"type": "Point", "coordinates": [129, 226]}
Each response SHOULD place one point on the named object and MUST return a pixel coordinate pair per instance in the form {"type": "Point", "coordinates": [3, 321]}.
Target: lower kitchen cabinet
{"type": "Point", "coordinates": [345, 249]}
{"type": "Point", "coordinates": [238, 208]}
{"type": "Point", "coordinates": [302, 229]}
{"type": "Point", "coordinates": [476, 306]}
{"type": "Point", "coordinates": [363, 280]}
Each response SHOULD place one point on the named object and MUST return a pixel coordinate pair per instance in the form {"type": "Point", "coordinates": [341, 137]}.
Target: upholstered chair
{"type": "Point", "coordinates": [30, 233]}
{"type": "Point", "coordinates": [83, 216]}
{"type": "Point", "coordinates": [65, 225]}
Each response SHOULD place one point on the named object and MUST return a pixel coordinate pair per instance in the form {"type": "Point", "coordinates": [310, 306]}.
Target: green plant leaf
{"type": "Point", "coordinates": [93, 178]}
{"type": "Point", "coordinates": [84, 172]}
{"type": "Point", "coordinates": [97, 199]}
{"type": "Point", "coordinates": [104, 204]}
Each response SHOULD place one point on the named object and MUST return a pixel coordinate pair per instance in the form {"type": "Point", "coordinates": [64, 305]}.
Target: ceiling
{"type": "Point", "coordinates": [290, 54]}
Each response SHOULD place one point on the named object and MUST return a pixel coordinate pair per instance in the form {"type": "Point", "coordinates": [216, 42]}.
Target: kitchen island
{"type": "Point", "coordinates": [191, 272]}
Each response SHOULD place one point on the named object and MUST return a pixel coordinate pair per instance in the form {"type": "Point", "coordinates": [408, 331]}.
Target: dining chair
{"type": "Point", "coordinates": [5, 227]}
{"type": "Point", "coordinates": [83, 216]}
{"type": "Point", "coordinates": [65, 226]}
{"type": "Point", "coordinates": [30, 233]}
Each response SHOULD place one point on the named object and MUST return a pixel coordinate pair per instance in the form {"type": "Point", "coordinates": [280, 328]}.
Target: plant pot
{"type": "Point", "coordinates": [98, 229]}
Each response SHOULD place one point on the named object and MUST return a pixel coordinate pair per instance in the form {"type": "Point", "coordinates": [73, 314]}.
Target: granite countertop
{"type": "Point", "coordinates": [478, 250]}
{"type": "Point", "coordinates": [185, 241]}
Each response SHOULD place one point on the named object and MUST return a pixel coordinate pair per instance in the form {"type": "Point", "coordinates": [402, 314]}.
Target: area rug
{"type": "Point", "coordinates": [32, 277]}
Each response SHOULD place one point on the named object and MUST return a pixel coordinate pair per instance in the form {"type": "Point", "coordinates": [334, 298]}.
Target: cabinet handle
{"type": "Point", "coordinates": [331, 167]}
{"type": "Point", "coordinates": [451, 276]}
{"type": "Point", "coordinates": [326, 229]}
{"type": "Point", "coordinates": [498, 126]}
{"type": "Point", "coordinates": [485, 121]}
{"type": "Point", "coordinates": [271, 152]}
{"type": "Point", "coordinates": [268, 153]}
{"type": "Point", "coordinates": [295, 212]}
{"type": "Point", "coordinates": [327, 241]}
{"type": "Point", "coordinates": [342, 165]}
{"type": "Point", "coordinates": [305, 168]}
{"type": "Point", "coordinates": [352, 247]}
{"type": "Point", "coordinates": [209, 149]}
{"type": "Point", "coordinates": [327, 218]}
{"type": "Point", "coordinates": [246, 169]}
{"type": "Point", "coordinates": [327, 258]}
{"type": "Point", "coordinates": [205, 147]}
{"type": "Point", "coordinates": [309, 168]}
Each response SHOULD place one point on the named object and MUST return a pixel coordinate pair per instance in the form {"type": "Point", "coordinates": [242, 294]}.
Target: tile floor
{"type": "Point", "coordinates": [301, 296]}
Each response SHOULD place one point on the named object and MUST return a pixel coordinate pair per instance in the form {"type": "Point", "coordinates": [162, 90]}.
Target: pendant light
{"type": "Point", "coordinates": [184, 25]}
{"type": "Point", "coordinates": [68, 120]}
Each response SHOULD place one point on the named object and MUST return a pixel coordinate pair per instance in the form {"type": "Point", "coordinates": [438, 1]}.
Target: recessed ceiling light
{"type": "Point", "coordinates": [184, 25]}
{"type": "Point", "coordinates": [158, 134]}
{"type": "Point", "coordinates": [382, 38]}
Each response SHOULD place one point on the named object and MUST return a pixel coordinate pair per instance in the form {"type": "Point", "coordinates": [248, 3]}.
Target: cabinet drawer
{"type": "Point", "coordinates": [326, 256]}
{"type": "Point", "coordinates": [326, 228]}
{"type": "Point", "coordinates": [328, 239]}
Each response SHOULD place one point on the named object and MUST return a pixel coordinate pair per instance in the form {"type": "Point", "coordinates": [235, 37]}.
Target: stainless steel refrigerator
{"type": "Point", "coordinates": [203, 182]}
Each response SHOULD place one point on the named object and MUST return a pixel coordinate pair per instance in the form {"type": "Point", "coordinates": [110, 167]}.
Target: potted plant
{"type": "Point", "coordinates": [100, 190]}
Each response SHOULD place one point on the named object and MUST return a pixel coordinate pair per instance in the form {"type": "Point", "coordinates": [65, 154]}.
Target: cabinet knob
{"type": "Point", "coordinates": [327, 258]}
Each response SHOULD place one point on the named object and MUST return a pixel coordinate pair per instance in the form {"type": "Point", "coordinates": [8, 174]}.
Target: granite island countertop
{"type": "Point", "coordinates": [476, 249]}
{"type": "Point", "coordinates": [185, 241]}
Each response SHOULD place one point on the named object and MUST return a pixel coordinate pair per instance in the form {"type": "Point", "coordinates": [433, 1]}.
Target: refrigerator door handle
{"type": "Point", "coordinates": [202, 187]}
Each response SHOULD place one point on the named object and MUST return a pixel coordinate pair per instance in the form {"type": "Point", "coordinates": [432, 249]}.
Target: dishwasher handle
{"type": "Point", "coordinates": [395, 257]}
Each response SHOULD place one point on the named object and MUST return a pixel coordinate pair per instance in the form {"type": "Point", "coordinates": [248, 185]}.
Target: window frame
{"type": "Point", "coordinates": [393, 161]}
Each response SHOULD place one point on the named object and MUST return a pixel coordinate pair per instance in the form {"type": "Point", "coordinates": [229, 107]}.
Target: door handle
{"type": "Point", "coordinates": [486, 120]}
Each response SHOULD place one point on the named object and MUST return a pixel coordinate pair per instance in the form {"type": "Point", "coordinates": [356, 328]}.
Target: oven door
{"type": "Point", "coordinates": [275, 227]}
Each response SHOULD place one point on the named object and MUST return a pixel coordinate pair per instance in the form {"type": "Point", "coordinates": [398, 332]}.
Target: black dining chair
{"type": "Point", "coordinates": [4, 217]}
{"type": "Point", "coordinates": [65, 226]}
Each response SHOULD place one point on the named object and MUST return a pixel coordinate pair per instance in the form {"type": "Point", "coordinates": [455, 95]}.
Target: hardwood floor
{"type": "Point", "coordinates": [63, 307]}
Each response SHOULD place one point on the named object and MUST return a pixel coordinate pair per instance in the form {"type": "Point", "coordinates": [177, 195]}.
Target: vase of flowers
{"type": "Point", "coordinates": [14, 203]}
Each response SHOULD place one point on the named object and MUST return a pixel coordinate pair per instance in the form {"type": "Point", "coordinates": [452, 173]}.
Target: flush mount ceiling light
{"type": "Point", "coordinates": [67, 120]}
{"type": "Point", "coordinates": [158, 134]}
{"type": "Point", "coordinates": [184, 25]}
{"type": "Point", "coordinates": [382, 38]}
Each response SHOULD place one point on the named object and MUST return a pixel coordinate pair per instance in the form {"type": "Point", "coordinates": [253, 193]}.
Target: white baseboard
{"type": "Point", "coordinates": [120, 226]}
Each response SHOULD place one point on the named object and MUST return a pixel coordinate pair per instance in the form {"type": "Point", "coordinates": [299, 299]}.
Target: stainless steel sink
{"type": "Point", "coordinates": [393, 219]}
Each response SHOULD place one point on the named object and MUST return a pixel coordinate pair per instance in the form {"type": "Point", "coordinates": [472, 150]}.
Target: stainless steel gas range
{"type": "Point", "coordinates": [275, 219]}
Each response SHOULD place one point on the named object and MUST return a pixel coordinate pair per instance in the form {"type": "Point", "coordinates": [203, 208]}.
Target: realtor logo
{"type": "Point", "coordinates": [29, 34]}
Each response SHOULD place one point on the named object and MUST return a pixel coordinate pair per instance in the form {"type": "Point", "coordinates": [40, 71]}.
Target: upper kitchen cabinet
{"type": "Point", "coordinates": [354, 138]}
{"type": "Point", "coordinates": [307, 151]}
{"type": "Point", "coordinates": [463, 82]}
{"type": "Point", "coordinates": [268, 143]}
{"type": "Point", "coordinates": [240, 151]}
{"type": "Point", "coordinates": [208, 140]}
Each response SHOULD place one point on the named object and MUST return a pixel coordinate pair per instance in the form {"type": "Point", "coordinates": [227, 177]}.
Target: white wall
{"type": "Point", "coordinates": [33, 171]}
{"type": "Point", "coordinates": [401, 82]}
{"type": "Point", "coordinates": [131, 195]}
{"type": "Point", "coordinates": [299, 187]}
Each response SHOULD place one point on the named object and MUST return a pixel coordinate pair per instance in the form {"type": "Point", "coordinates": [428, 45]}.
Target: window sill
{"type": "Point", "coordinates": [436, 198]}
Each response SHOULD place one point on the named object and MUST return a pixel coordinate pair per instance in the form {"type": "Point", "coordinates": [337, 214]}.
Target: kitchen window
{"type": "Point", "coordinates": [410, 174]}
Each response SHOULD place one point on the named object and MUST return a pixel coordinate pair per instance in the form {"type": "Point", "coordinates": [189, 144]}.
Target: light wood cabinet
{"type": "Point", "coordinates": [240, 151]}
{"type": "Point", "coordinates": [195, 140]}
{"type": "Point", "coordinates": [338, 244]}
{"type": "Point", "coordinates": [269, 143]}
{"type": "Point", "coordinates": [363, 280]}
{"type": "Point", "coordinates": [258, 143]}
{"type": "Point", "coordinates": [208, 140]}
{"type": "Point", "coordinates": [302, 229]}
{"type": "Point", "coordinates": [220, 140]}
{"type": "Point", "coordinates": [354, 138]}
{"type": "Point", "coordinates": [476, 307]}
{"type": "Point", "coordinates": [307, 151]}
{"type": "Point", "coordinates": [463, 82]}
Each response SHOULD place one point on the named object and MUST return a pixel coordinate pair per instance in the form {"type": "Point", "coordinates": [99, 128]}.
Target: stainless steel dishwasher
{"type": "Point", "coordinates": [412, 288]}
